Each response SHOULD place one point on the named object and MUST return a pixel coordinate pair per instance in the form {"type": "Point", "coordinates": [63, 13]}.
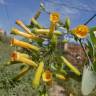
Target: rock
{"type": "Point", "coordinates": [75, 54]}
{"type": "Point", "coordinates": [57, 90]}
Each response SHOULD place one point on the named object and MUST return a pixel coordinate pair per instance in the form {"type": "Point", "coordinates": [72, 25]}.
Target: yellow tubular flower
{"type": "Point", "coordinates": [17, 32]}
{"type": "Point", "coordinates": [17, 57]}
{"type": "Point", "coordinates": [52, 29]}
{"type": "Point", "coordinates": [22, 25]}
{"type": "Point", "coordinates": [22, 72]}
{"type": "Point", "coordinates": [38, 75]}
{"type": "Point", "coordinates": [29, 36]}
{"type": "Point", "coordinates": [75, 70]}
{"type": "Point", "coordinates": [46, 31]}
{"type": "Point", "coordinates": [60, 76]}
{"type": "Point", "coordinates": [81, 31]}
{"type": "Point", "coordinates": [47, 76]}
{"type": "Point", "coordinates": [24, 55]}
{"type": "Point", "coordinates": [23, 44]}
{"type": "Point", "coordinates": [54, 18]}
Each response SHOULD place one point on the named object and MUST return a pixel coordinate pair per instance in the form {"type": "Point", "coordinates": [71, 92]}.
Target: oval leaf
{"type": "Point", "coordinates": [88, 81]}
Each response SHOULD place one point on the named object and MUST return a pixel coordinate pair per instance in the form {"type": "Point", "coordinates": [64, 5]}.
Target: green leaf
{"type": "Point", "coordinates": [94, 66]}
{"type": "Point", "coordinates": [93, 28]}
{"type": "Point", "coordinates": [92, 36]}
{"type": "Point", "coordinates": [91, 49]}
{"type": "Point", "coordinates": [67, 23]}
{"type": "Point", "coordinates": [54, 40]}
{"type": "Point", "coordinates": [88, 81]}
{"type": "Point", "coordinates": [30, 26]}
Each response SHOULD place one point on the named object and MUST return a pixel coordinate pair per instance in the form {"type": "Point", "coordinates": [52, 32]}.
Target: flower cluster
{"type": "Point", "coordinates": [50, 64]}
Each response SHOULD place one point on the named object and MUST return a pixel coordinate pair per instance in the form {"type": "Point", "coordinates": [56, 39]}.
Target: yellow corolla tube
{"type": "Point", "coordinates": [22, 72]}
{"type": "Point", "coordinates": [46, 31]}
{"type": "Point", "coordinates": [74, 69]}
{"type": "Point", "coordinates": [29, 36]}
{"type": "Point", "coordinates": [60, 76]}
{"type": "Point", "coordinates": [54, 18]}
{"type": "Point", "coordinates": [81, 31]}
{"type": "Point", "coordinates": [17, 32]}
{"type": "Point", "coordinates": [23, 54]}
{"type": "Point", "coordinates": [22, 25]}
{"type": "Point", "coordinates": [15, 56]}
{"type": "Point", "coordinates": [23, 44]}
{"type": "Point", "coordinates": [38, 74]}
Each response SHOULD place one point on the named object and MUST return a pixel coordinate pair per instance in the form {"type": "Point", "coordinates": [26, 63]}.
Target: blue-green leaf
{"type": "Point", "coordinates": [88, 81]}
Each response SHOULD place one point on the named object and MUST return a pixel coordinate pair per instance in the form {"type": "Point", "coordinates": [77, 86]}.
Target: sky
{"type": "Point", "coordinates": [79, 11]}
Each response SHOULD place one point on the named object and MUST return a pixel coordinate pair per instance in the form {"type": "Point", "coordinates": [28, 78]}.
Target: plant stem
{"type": "Point", "coordinates": [89, 60]}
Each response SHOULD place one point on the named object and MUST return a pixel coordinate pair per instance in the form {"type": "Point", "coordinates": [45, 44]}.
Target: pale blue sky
{"type": "Point", "coordinates": [10, 10]}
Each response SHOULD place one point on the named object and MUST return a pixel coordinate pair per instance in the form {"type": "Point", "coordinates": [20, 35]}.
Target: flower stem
{"type": "Point", "coordinates": [88, 58]}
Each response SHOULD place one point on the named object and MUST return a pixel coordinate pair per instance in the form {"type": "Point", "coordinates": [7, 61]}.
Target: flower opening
{"type": "Point", "coordinates": [81, 31]}
{"type": "Point", "coordinates": [54, 17]}
{"type": "Point", "coordinates": [47, 76]}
